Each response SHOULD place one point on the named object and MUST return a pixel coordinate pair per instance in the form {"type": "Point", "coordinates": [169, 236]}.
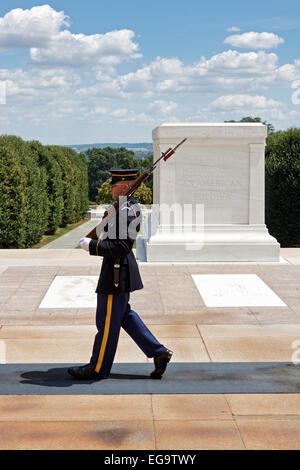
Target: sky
{"type": "Point", "coordinates": [74, 72]}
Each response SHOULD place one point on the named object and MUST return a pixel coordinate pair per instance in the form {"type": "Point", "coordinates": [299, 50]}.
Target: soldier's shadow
{"type": "Point", "coordinates": [59, 377]}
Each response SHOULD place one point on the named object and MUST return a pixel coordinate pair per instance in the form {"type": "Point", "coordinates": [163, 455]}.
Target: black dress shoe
{"type": "Point", "coordinates": [85, 373]}
{"type": "Point", "coordinates": [160, 363]}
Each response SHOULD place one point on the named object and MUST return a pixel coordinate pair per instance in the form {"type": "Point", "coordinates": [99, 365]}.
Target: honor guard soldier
{"type": "Point", "coordinates": [118, 277]}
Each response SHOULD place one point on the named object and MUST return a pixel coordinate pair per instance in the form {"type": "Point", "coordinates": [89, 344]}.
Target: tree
{"type": "Point", "coordinates": [69, 189]}
{"type": "Point", "coordinates": [270, 127]}
{"type": "Point", "coordinates": [143, 194]}
{"type": "Point", "coordinates": [41, 188]}
{"type": "Point", "coordinates": [23, 204]}
{"type": "Point", "coordinates": [104, 193]}
{"type": "Point", "coordinates": [12, 201]}
{"type": "Point", "coordinates": [283, 186]}
{"type": "Point", "coordinates": [143, 164]}
{"type": "Point", "coordinates": [77, 196]}
{"type": "Point", "coordinates": [54, 185]}
{"type": "Point", "coordinates": [124, 158]}
{"type": "Point", "coordinates": [100, 161]}
{"type": "Point", "coordinates": [83, 203]}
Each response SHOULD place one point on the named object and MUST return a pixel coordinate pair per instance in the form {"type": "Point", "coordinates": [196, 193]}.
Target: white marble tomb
{"type": "Point", "coordinates": [216, 177]}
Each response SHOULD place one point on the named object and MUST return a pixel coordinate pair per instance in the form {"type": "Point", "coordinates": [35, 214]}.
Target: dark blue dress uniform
{"type": "Point", "coordinates": [113, 308]}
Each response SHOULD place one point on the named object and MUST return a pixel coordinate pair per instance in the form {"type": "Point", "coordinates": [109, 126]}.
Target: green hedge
{"type": "Point", "coordinates": [41, 189]}
{"type": "Point", "coordinates": [282, 171]}
{"type": "Point", "coordinates": [54, 186]}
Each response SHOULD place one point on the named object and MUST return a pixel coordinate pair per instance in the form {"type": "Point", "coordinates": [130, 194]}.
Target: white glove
{"type": "Point", "coordinates": [84, 243]}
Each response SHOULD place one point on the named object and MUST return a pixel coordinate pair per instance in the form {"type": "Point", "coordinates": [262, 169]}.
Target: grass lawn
{"type": "Point", "coordinates": [59, 232]}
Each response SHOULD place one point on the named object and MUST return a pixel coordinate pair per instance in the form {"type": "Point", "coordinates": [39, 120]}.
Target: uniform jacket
{"type": "Point", "coordinates": [119, 247]}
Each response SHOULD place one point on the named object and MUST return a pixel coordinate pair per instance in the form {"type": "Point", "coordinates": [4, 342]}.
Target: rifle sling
{"type": "Point", "coordinates": [116, 272]}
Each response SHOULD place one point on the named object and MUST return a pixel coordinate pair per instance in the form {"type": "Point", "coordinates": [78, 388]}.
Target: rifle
{"type": "Point", "coordinates": [96, 232]}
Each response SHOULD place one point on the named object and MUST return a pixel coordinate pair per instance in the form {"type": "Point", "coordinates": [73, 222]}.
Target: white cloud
{"type": "Point", "coordinates": [85, 111]}
{"type": "Point", "coordinates": [157, 71]}
{"type": "Point", "coordinates": [243, 63]}
{"type": "Point", "coordinates": [253, 40]}
{"type": "Point", "coordinates": [52, 90]}
{"type": "Point", "coordinates": [288, 73]}
{"type": "Point", "coordinates": [140, 118]}
{"type": "Point", "coordinates": [106, 88]}
{"type": "Point", "coordinates": [30, 28]}
{"type": "Point", "coordinates": [78, 50]}
{"type": "Point", "coordinates": [233, 28]}
{"type": "Point", "coordinates": [40, 31]}
{"type": "Point", "coordinates": [236, 106]}
{"type": "Point", "coordinates": [36, 82]}
{"type": "Point", "coordinates": [100, 110]}
{"type": "Point", "coordinates": [229, 70]}
{"type": "Point", "coordinates": [243, 101]}
{"type": "Point", "coordinates": [120, 112]}
{"type": "Point", "coordinates": [163, 107]}
{"type": "Point", "coordinates": [130, 115]}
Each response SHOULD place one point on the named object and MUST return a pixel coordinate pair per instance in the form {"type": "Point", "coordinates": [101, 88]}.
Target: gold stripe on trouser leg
{"type": "Point", "coordinates": [106, 332]}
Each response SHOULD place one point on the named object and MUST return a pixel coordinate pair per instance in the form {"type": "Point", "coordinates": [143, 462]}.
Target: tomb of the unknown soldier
{"type": "Point", "coordinates": [209, 198]}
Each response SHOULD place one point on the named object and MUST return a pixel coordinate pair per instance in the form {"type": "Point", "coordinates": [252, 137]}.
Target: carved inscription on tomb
{"type": "Point", "coordinates": [220, 182]}
{"type": "Point", "coordinates": [213, 184]}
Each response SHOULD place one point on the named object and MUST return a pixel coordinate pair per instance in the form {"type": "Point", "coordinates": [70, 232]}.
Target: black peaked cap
{"type": "Point", "coordinates": [122, 175]}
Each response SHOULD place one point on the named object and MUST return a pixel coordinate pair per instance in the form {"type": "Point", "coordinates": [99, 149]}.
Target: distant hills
{"type": "Point", "coordinates": [140, 149]}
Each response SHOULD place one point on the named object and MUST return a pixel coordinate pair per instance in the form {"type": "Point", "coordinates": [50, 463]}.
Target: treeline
{"type": "Point", "coordinates": [100, 161]}
{"type": "Point", "coordinates": [41, 188]}
{"type": "Point", "coordinates": [282, 177]}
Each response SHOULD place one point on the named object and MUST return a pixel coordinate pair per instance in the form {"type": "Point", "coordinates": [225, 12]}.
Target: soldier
{"type": "Point", "coordinates": [118, 277]}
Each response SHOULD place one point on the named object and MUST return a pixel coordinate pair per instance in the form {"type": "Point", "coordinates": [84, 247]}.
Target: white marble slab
{"type": "Point", "coordinates": [235, 290]}
{"type": "Point", "coordinates": [71, 292]}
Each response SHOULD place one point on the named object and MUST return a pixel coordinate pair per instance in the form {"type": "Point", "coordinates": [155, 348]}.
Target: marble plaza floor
{"type": "Point", "coordinates": [206, 313]}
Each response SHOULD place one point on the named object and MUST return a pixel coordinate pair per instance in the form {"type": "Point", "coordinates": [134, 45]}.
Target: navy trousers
{"type": "Point", "coordinates": [114, 312]}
